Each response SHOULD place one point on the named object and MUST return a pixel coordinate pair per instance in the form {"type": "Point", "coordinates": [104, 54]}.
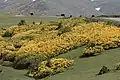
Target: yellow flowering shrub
{"type": "Point", "coordinates": [50, 67]}
{"type": "Point", "coordinates": [92, 34]}
{"type": "Point", "coordinates": [102, 35]}
{"type": "Point", "coordinates": [91, 51]}
{"type": "Point", "coordinates": [55, 46]}
{"type": "Point", "coordinates": [15, 29]}
{"type": "Point", "coordinates": [24, 37]}
{"type": "Point", "coordinates": [5, 48]}
{"type": "Point", "coordinates": [44, 41]}
{"type": "Point", "coordinates": [1, 38]}
{"type": "Point", "coordinates": [2, 31]}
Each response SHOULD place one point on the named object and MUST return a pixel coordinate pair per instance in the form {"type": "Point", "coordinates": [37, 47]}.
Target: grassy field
{"type": "Point", "coordinates": [8, 20]}
{"type": "Point", "coordinates": [68, 49]}
{"type": "Point", "coordinates": [83, 69]}
{"type": "Point", "coordinates": [87, 68]}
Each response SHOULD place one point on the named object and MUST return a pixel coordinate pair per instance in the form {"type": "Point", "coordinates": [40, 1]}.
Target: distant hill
{"type": "Point", "coordinates": [56, 7]}
{"type": "Point", "coordinates": [26, 6]}
{"type": "Point", "coordinates": [108, 6]}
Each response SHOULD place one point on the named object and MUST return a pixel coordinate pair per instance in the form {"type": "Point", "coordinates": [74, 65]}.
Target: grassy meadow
{"type": "Point", "coordinates": [65, 48]}
{"type": "Point", "coordinates": [9, 20]}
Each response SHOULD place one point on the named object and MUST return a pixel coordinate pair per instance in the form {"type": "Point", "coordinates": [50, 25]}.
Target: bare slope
{"type": "Point", "coordinates": [49, 7]}
{"type": "Point", "coordinates": [53, 7]}
{"type": "Point", "coordinates": [108, 6]}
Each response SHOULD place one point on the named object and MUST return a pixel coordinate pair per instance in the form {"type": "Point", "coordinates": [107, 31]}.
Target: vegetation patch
{"type": "Point", "coordinates": [6, 48]}
{"type": "Point", "coordinates": [103, 70]}
{"type": "Point", "coordinates": [50, 67]}
{"type": "Point", "coordinates": [33, 45]}
{"type": "Point", "coordinates": [92, 51]}
{"type": "Point", "coordinates": [2, 31]}
{"type": "Point", "coordinates": [113, 16]}
{"type": "Point", "coordinates": [22, 22]}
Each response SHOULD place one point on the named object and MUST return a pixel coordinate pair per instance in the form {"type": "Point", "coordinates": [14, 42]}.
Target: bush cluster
{"type": "Point", "coordinates": [50, 67]}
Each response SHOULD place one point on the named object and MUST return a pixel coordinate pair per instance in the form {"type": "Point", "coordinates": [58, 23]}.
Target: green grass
{"type": "Point", "coordinates": [87, 68]}
{"type": "Point", "coordinates": [83, 68]}
{"type": "Point", "coordinates": [8, 20]}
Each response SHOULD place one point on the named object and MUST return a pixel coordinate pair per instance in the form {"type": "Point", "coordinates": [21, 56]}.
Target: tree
{"type": "Point", "coordinates": [93, 15]}
{"type": "Point", "coordinates": [33, 22]}
{"type": "Point", "coordinates": [31, 14]}
{"type": "Point", "coordinates": [70, 16]}
{"type": "Point", "coordinates": [22, 22]}
{"type": "Point", "coordinates": [80, 16]}
{"type": "Point", "coordinates": [63, 15]}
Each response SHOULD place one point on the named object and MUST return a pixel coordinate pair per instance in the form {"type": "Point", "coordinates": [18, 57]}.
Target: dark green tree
{"type": "Point", "coordinates": [22, 22]}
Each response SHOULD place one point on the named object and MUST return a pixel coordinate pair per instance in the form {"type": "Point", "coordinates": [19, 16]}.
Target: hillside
{"type": "Point", "coordinates": [108, 6]}
{"type": "Point", "coordinates": [49, 7]}
{"type": "Point", "coordinates": [56, 7]}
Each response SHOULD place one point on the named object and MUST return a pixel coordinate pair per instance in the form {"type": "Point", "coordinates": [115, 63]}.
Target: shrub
{"type": "Point", "coordinates": [41, 22]}
{"type": "Point", "coordinates": [31, 14]}
{"type": "Point", "coordinates": [24, 37]}
{"type": "Point", "coordinates": [21, 63]}
{"type": "Point", "coordinates": [7, 34]}
{"type": "Point", "coordinates": [25, 61]}
{"type": "Point", "coordinates": [71, 16]}
{"type": "Point", "coordinates": [63, 30]}
{"type": "Point", "coordinates": [5, 48]}
{"type": "Point", "coordinates": [91, 51]}
{"type": "Point", "coordinates": [110, 45]}
{"type": "Point", "coordinates": [12, 30]}
{"type": "Point", "coordinates": [6, 54]}
{"type": "Point", "coordinates": [6, 45]}
{"type": "Point", "coordinates": [22, 22]}
{"type": "Point", "coordinates": [109, 22]}
{"type": "Point", "coordinates": [1, 38]}
{"type": "Point", "coordinates": [33, 22]}
{"type": "Point", "coordinates": [117, 67]}
{"type": "Point", "coordinates": [59, 26]}
{"type": "Point", "coordinates": [50, 67]}
{"type": "Point", "coordinates": [103, 70]}
{"type": "Point", "coordinates": [88, 20]}
{"type": "Point", "coordinates": [2, 31]}
{"type": "Point", "coordinates": [93, 16]}
{"type": "Point", "coordinates": [63, 15]}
